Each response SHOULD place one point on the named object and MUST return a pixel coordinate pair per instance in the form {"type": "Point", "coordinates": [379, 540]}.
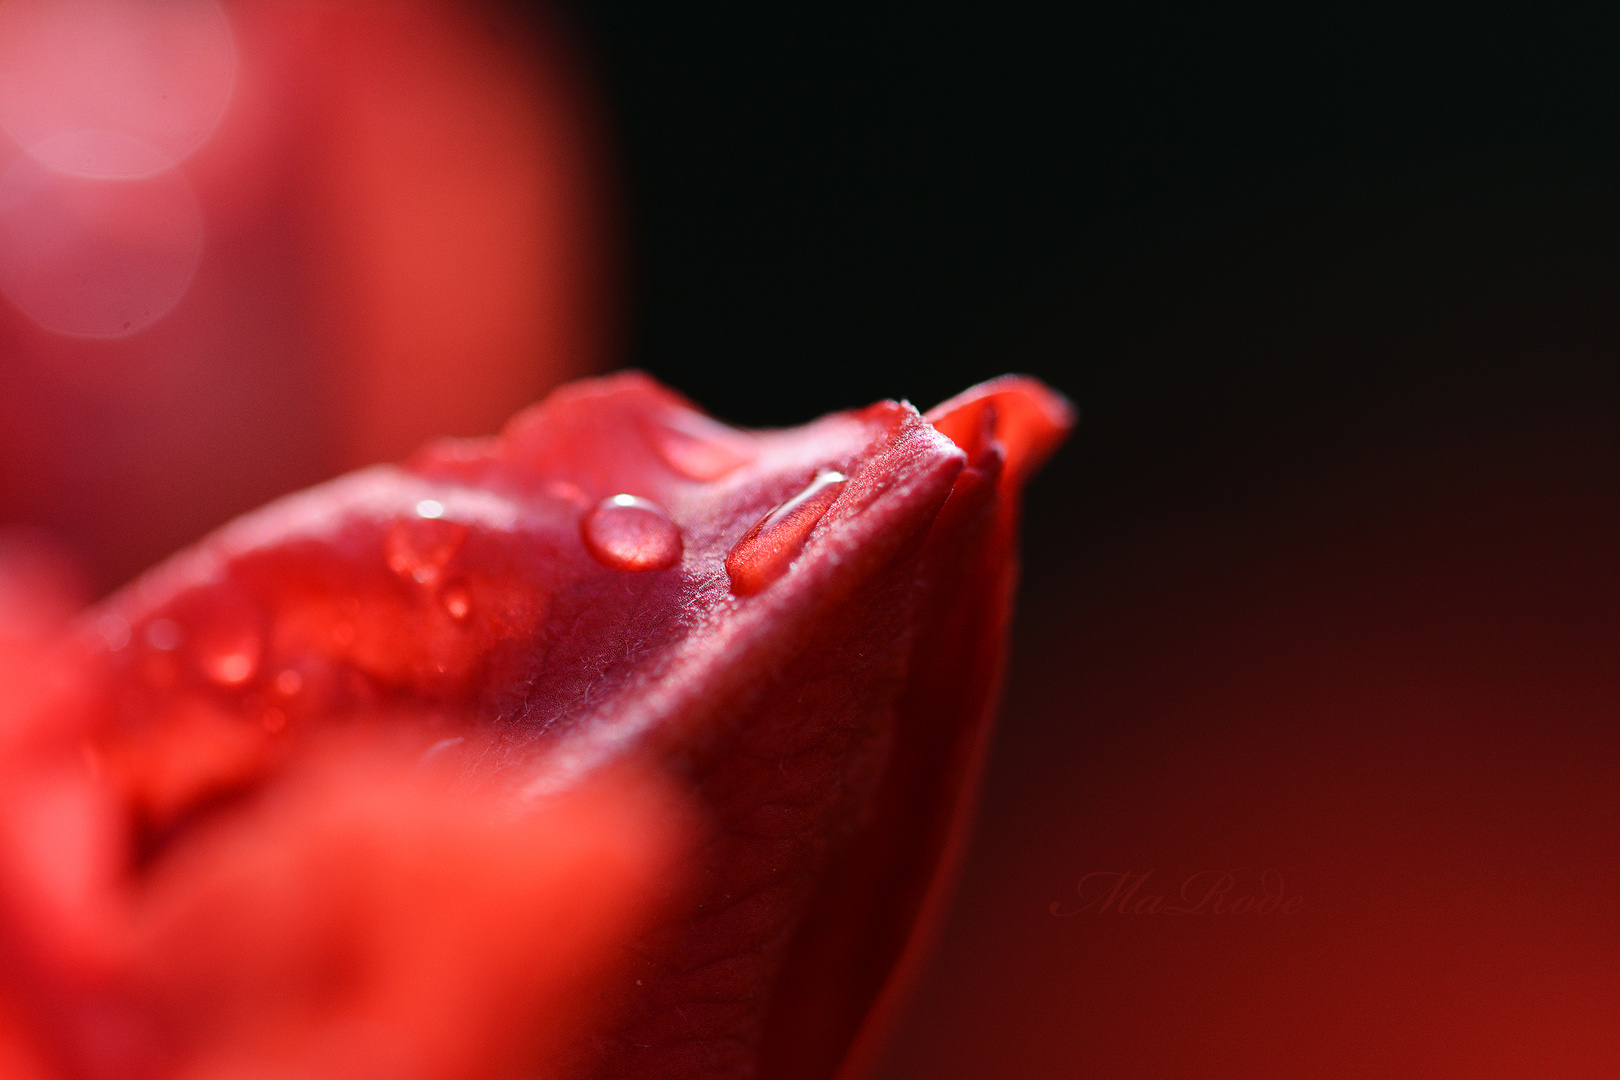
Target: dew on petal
{"type": "Point", "coordinates": [699, 448]}
{"type": "Point", "coordinates": [418, 548]}
{"type": "Point", "coordinates": [289, 683]}
{"type": "Point", "coordinates": [765, 551]}
{"type": "Point", "coordinates": [630, 533]}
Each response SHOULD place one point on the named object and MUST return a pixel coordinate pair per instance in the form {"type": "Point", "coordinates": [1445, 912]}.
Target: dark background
{"type": "Point", "coordinates": [1325, 582]}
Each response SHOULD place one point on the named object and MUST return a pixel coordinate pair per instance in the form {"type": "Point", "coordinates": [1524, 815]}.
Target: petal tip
{"type": "Point", "coordinates": [1028, 418]}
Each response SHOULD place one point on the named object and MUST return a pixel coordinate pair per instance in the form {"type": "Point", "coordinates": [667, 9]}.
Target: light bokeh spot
{"type": "Point", "coordinates": [114, 76]}
{"type": "Point", "coordinates": [96, 258]}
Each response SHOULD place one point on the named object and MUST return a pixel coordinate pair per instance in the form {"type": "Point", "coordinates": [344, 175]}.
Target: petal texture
{"type": "Point", "coordinates": [625, 744]}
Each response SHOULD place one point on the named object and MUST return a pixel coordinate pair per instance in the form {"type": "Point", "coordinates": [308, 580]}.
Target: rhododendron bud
{"type": "Point", "coordinates": [625, 744]}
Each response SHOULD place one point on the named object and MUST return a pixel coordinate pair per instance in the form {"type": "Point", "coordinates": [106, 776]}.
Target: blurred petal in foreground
{"type": "Point", "coordinates": [245, 246]}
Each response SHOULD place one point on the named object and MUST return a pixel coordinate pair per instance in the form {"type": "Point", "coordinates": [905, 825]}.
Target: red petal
{"type": "Point", "coordinates": [814, 678]}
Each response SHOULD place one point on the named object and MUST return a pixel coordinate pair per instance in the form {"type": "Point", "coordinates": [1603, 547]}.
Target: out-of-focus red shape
{"type": "Point", "coordinates": [113, 88]}
{"type": "Point", "coordinates": [368, 924]}
{"type": "Point", "coordinates": [247, 245]}
{"type": "Point", "coordinates": [362, 917]}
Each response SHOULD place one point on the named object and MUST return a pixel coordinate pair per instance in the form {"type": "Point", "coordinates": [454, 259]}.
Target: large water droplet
{"type": "Point", "coordinates": [418, 547]}
{"type": "Point", "coordinates": [765, 551]}
{"type": "Point", "coordinates": [627, 533]}
{"type": "Point", "coordinates": [699, 448]}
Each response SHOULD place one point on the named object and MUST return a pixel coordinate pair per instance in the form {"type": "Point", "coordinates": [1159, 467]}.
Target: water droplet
{"type": "Point", "coordinates": [699, 448]}
{"type": "Point", "coordinates": [457, 601]}
{"type": "Point", "coordinates": [289, 682]}
{"type": "Point", "coordinates": [765, 551]}
{"type": "Point", "coordinates": [418, 547]}
{"type": "Point", "coordinates": [164, 635]}
{"type": "Point", "coordinates": [627, 533]}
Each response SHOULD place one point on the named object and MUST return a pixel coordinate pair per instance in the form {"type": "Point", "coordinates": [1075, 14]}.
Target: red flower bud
{"type": "Point", "coordinates": [626, 744]}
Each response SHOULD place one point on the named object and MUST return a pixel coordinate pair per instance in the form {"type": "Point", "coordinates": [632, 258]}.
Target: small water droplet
{"type": "Point", "coordinates": [163, 635]}
{"type": "Point", "coordinates": [630, 533]}
{"type": "Point", "coordinates": [457, 601]}
{"type": "Point", "coordinates": [699, 448]}
{"type": "Point", "coordinates": [289, 682]}
{"type": "Point", "coordinates": [418, 548]}
{"type": "Point", "coordinates": [765, 551]}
